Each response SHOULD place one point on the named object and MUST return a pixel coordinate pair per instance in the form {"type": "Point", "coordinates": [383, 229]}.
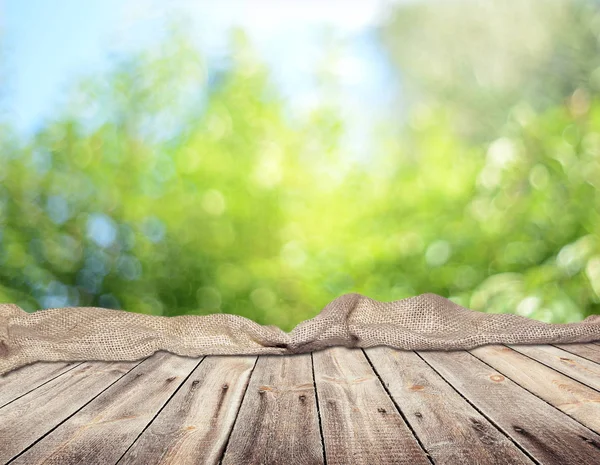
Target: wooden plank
{"type": "Point", "coordinates": [449, 428]}
{"type": "Point", "coordinates": [102, 431]}
{"type": "Point", "coordinates": [571, 397]}
{"type": "Point", "coordinates": [25, 379]}
{"type": "Point", "coordinates": [589, 351]}
{"type": "Point", "coordinates": [194, 425]}
{"type": "Point", "coordinates": [278, 421]}
{"type": "Point", "coordinates": [360, 422]}
{"type": "Point", "coordinates": [581, 369]}
{"type": "Point", "coordinates": [545, 433]}
{"type": "Point", "coordinates": [28, 418]}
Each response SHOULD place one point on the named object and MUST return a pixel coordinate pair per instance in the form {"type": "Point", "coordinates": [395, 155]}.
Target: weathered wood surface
{"type": "Point", "coordinates": [360, 422]}
{"type": "Point", "coordinates": [33, 415]}
{"type": "Point", "coordinates": [490, 405]}
{"type": "Point", "coordinates": [573, 398]}
{"type": "Point", "coordinates": [451, 430]}
{"type": "Point", "coordinates": [28, 378]}
{"type": "Point", "coordinates": [103, 430]}
{"type": "Point", "coordinates": [278, 420]}
{"type": "Point", "coordinates": [544, 432]}
{"type": "Point", "coordinates": [589, 351]}
{"type": "Point", "coordinates": [574, 366]}
{"type": "Point", "coordinates": [195, 425]}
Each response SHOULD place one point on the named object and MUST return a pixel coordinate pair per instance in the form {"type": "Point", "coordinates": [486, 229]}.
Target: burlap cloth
{"type": "Point", "coordinates": [425, 322]}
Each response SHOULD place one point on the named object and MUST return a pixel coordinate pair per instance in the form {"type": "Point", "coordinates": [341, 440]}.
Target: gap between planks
{"type": "Point", "coordinates": [575, 367]}
{"type": "Point", "coordinates": [451, 429]}
{"type": "Point", "coordinates": [12, 449]}
{"type": "Point", "coordinates": [22, 381]}
{"type": "Point", "coordinates": [195, 423]}
{"type": "Point", "coordinates": [361, 422]}
{"type": "Point", "coordinates": [547, 435]}
{"type": "Point", "coordinates": [322, 431]}
{"type": "Point", "coordinates": [590, 352]}
{"type": "Point", "coordinates": [575, 399]}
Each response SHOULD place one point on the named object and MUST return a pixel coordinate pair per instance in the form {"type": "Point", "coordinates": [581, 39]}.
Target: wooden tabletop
{"type": "Point", "coordinates": [490, 405]}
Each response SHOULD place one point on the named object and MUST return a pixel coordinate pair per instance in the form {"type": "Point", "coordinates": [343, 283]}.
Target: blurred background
{"type": "Point", "coordinates": [264, 157]}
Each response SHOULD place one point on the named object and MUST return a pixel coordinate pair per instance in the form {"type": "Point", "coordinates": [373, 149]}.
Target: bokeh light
{"type": "Point", "coordinates": [262, 158]}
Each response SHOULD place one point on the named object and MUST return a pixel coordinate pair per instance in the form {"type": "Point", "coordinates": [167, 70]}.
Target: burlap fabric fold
{"type": "Point", "coordinates": [424, 322]}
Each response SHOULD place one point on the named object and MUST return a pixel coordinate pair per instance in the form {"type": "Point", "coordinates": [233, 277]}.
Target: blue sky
{"type": "Point", "coordinates": [50, 43]}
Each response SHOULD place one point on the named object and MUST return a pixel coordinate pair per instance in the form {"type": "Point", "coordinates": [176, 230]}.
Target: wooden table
{"type": "Point", "coordinates": [491, 405]}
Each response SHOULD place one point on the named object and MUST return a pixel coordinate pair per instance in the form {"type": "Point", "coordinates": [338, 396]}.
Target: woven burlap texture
{"type": "Point", "coordinates": [424, 322]}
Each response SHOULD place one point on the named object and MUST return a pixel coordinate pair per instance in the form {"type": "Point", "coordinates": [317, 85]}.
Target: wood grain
{"type": "Point", "coordinates": [491, 405]}
{"type": "Point", "coordinates": [360, 422]}
{"type": "Point", "coordinates": [545, 433]}
{"type": "Point", "coordinates": [102, 431]}
{"type": "Point", "coordinates": [194, 426]}
{"type": "Point", "coordinates": [30, 417]}
{"type": "Point", "coordinates": [25, 379]}
{"type": "Point", "coordinates": [589, 351]}
{"type": "Point", "coordinates": [579, 368]}
{"type": "Point", "coordinates": [449, 428]}
{"type": "Point", "coordinates": [575, 399]}
{"type": "Point", "coordinates": [278, 421]}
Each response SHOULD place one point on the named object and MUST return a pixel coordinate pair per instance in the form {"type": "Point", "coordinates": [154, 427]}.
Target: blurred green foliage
{"type": "Point", "coordinates": [167, 187]}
